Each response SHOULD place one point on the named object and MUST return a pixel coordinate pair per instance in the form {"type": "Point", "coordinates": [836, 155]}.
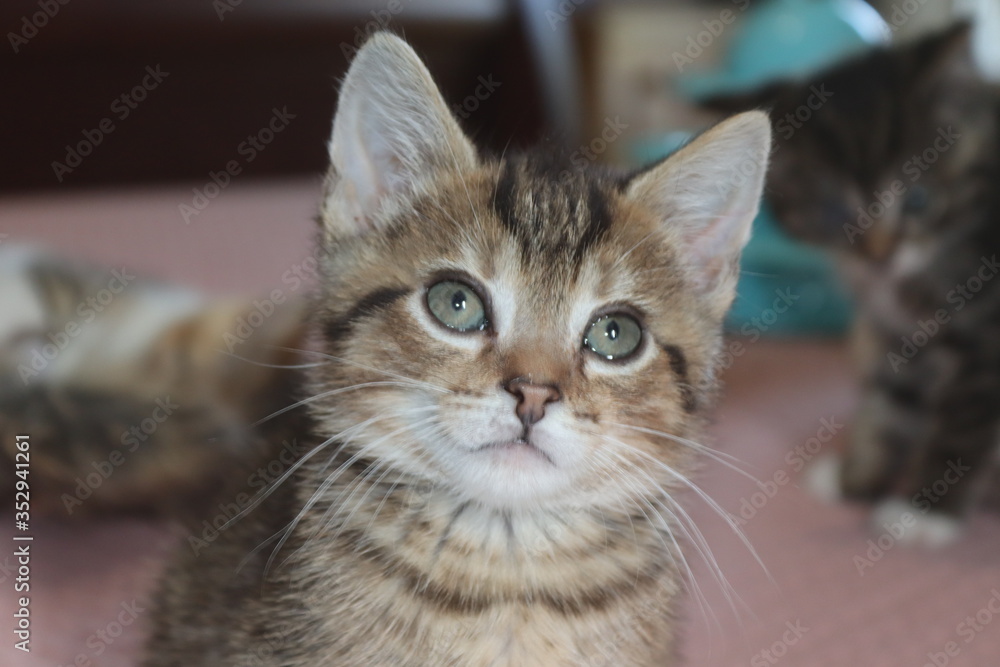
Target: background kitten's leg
{"type": "Point", "coordinates": [886, 435]}
{"type": "Point", "coordinates": [955, 390]}
{"type": "Point", "coordinates": [882, 434]}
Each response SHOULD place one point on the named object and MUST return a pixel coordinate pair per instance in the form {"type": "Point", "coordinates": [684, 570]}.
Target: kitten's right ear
{"type": "Point", "coordinates": [392, 132]}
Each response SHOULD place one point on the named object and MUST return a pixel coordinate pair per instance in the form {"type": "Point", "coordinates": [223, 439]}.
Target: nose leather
{"type": "Point", "coordinates": [532, 399]}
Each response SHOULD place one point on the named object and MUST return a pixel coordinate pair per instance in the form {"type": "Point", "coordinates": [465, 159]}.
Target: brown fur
{"type": "Point", "coordinates": [87, 408]}
{"type": "Point", "coordinates": [405, 538]}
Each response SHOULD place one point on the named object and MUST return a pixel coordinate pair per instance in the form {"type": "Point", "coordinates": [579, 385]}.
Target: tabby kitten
{"type": "Point", "coordinates": [125, 387]}
{"type": "Point", "coordinates": [511, 363]}
{"type": "Point", "coordinates": [892, 162]}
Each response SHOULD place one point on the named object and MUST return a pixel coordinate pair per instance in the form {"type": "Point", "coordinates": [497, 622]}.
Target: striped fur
{"type": "Point", "coordinates": [412, 534]}
{"type": "Point", "coordinates": [125, 388]}
{"type": "Point", "coordinates": [915, 116]}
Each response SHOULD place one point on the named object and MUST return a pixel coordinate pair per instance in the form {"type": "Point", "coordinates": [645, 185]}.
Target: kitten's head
{"type": "Point", "coordinates": [873, 152]}
{"type": "Point", "coordinates": [508, 331]}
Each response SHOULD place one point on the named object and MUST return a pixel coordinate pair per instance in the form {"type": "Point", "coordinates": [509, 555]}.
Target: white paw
{"type": "Point", "coordinates": [910, 527]}
{"type": "Point", "coordinates": [823, 479]}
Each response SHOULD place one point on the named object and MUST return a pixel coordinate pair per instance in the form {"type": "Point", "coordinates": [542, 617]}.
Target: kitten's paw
{"type": "Point", "coordinates": [823, 479]}
{"type": "Point", "coordinates": [911, 528]}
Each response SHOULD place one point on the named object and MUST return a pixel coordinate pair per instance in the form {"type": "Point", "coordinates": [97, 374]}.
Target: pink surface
{"type": "Point", "coordinates": [903, 611]}
{"type": "Point", "coordinates": [241, 242]}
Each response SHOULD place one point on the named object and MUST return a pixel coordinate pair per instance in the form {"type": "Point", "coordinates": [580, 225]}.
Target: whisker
{"type": "Point", "coordinates": [371, 369]}
{"type": "Point", "coordinates": [705, 498]}
{"type": "Point", "coordinates": [676, 552]}
{"type": "Point", "coordinates": [266, 365]}
{"type": "Point", "coordinates": [333, 392]}
{"type": "Point", "coordinates": [326, 485]}
{"type": "Point", "coordinates": [264, 493]}
{"type": "Point", "coordinates": [683, 521]}
{"type": "Point", "coordinates": [724, 458]}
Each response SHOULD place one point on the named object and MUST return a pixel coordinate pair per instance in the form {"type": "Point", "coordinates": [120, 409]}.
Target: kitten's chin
{"type": "Point", "coordinates": [516, 453]}
{"type": "Point", "coordinates": [513, 475]}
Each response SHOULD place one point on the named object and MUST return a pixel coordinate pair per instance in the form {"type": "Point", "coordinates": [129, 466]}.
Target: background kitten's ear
{"type": "Point", "coordinates": [938, 58]}
{"type": "Point", "coordinates": [392, 131]}
{"type": "Point", "coordinates": [707, 195]}
{"type": "Point", "coordinates": [761, 98]}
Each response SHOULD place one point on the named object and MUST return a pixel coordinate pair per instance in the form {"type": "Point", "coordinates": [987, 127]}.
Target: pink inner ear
{"type": "Point", "coordinates": [715, 246]}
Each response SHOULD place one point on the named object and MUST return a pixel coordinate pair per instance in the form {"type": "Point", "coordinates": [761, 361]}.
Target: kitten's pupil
{"type": "Point", "coordinates": [612, 330]}
{"type": "Point", "coordinates": [458, 300]}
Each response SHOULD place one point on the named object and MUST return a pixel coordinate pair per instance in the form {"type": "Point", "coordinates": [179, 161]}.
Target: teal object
{"type": "Point", "coordinates": [786, 288]}
{"type": "Point", "coordinates": [788, 39]}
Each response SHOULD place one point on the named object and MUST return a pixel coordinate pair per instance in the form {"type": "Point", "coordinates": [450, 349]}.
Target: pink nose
{"type": "Point", "coordinates": [532, 399]}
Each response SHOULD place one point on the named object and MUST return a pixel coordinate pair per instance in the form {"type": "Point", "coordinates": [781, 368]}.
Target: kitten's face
{"type": "Point", "coordinates": [510, 334]}
{"type": "Point", "coordinates": [468, 258]}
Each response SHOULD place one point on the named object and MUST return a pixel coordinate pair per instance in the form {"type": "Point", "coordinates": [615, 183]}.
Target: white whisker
{"type": "Point", "coordinates": [334, 392]}
{"type": "Point", "coordinates": [723, 458]}
{"type": "Point", "coordinates": [366, 367]}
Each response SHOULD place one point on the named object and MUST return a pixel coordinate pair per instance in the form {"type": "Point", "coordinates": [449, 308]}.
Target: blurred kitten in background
{"type": "Point", "coordinates": [895, 169]}
{"type": "Point", "coordinates": [126, 386]}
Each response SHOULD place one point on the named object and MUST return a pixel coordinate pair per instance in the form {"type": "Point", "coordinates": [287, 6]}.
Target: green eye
{"type": "Point", "coordinates": [614, 336]}
{"type": "Point", "coordinates": [457, 306]}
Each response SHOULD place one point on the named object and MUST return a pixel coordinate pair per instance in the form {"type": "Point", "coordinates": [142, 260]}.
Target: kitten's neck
{"type": "Point", "coordinates": [467, 547]}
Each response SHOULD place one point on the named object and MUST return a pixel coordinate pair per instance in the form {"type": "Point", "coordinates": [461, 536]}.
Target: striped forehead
{"type": "Point", "coordinates": [552, 301]}
{"type": "Point", "coordinates": [556, 216]}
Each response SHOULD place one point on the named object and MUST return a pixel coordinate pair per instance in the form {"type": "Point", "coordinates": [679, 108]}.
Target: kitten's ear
{"type": "Point", "coordinates": [762, 98]}
{"type": "Point", "coordinates": [707, 195]}
{"type": "Point", "coordinates": [941, 57]}
{"type": "Point", "coordinates": [391, 133]}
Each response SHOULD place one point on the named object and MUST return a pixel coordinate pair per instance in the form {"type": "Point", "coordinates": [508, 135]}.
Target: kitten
{"type": "Point", "coordinates": [892, 162]}
{"type": "Point", "coordinates": [512, 360]}
{"type": "Point", "coordinates": [121, 383]}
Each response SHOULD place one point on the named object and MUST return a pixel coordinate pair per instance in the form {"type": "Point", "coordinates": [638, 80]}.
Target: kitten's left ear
{"type": "Point", "coordinates": [392, 132]}
{"type": "Point", "coordinates": [707, 195]}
